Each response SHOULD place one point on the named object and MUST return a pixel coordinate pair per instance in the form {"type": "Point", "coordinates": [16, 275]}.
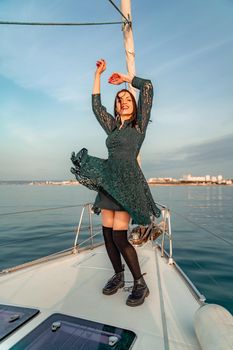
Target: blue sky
{"type": "Point", "coordinates": [184, 46]}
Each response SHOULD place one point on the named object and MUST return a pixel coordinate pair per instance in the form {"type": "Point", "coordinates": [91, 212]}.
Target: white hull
{"type": "Point", "coordinates": [73, 284]}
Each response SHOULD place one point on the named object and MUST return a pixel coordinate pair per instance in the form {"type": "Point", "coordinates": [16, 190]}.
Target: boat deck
{"type": "Point", "coordinates": [73, 285]}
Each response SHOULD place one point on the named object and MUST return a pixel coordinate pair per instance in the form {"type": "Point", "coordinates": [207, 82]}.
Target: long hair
{"type": "Point", "coordinates": [133, 119]}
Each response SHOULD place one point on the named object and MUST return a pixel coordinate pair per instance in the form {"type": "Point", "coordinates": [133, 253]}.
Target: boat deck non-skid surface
{"type": "Point", "coordinates": [73, 285]}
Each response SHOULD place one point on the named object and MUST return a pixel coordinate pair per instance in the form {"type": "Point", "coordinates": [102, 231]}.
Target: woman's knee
{"type": "Point", "coordinates": [107, 217]}
{"type": "Point", "coordinates": [121, 220]}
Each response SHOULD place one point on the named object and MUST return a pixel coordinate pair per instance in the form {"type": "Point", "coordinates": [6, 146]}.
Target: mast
{"type": "Point", "coordinates": [128, 41]}
{"type": "Point", "coordinates": [129, 48]}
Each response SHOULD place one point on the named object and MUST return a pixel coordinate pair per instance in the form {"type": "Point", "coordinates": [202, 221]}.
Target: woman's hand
{"type": "Point", "coordinates": [100, 66]}
{"type": "Point", "coordinates": [118, 78]}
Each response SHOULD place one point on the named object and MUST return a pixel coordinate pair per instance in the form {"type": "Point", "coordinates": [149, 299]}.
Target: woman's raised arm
{"type": "Point", "coordinates": [119, 78]}
{"type": "Point", "coordinates": [105, 119]}
{"type": "Point", "coordinates": [100, 68]}
{"type": "Point", "coordinates": [145, 96]}
{"type": "Point", "coordinates": [144, 101]}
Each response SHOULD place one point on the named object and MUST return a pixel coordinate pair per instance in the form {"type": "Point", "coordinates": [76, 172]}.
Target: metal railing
{"type": "Point", "coordinates": [162, 224]}
{"type": "Point", "coordinates": [158, 227]}
{"type": "Point", "coordinates": [88, 208]}
{"type": "Point", "coordinates": [166, 231]}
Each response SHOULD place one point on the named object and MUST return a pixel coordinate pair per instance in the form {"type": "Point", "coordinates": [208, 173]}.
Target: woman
{"type": "Point", "coordinates": [123, 192]}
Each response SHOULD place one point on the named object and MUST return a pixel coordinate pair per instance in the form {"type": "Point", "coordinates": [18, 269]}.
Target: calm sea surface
{"type": "Point", "coordinates": [202, 226]}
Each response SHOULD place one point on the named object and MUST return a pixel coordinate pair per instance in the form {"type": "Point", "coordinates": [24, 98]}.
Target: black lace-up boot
{"type": "Point", "coordinates": [139, 292]}
{"type": "Point", "coordinates": [116, 282]}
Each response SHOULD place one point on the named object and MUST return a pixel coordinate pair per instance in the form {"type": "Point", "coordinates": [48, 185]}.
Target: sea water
{"type": "Point", "coordinates": [40, 220]}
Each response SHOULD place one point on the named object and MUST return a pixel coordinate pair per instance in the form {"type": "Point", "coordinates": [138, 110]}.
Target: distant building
{"type": "Point", "coordinates": [191, 178]}
{"type": "Point", "coordinates": [228, 182]}
{"type": "Point", "coordinates": [161, 180]}
{"type": "Point", "coordinates": [188, 179]}
{"type": "Point", "coordinates": [205, 179]}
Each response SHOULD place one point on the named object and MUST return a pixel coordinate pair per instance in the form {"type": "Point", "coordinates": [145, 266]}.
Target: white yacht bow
{"type": "Point", "coordinates": [70, 284]}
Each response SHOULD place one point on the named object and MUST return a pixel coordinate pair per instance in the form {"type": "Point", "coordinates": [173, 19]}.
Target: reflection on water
{"type": "Point", "coordinates": [205, 193]}
{"type": "Point", "coordinates": [202, 225]}
{"type": "Point", "coordinates": [202, 228]}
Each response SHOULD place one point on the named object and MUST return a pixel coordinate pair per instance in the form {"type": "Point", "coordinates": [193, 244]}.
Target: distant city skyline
{"type": "Point", "coordinates": [46, 77]}
{"type": "Point", "coordinates": [189, 175]}
{"type": "Point", "coordinates": [207, 177]}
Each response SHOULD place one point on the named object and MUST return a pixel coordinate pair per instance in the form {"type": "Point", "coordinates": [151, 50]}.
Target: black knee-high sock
{"type": "Point", "coordinates": [112, 250]}
{"type": "Point", "coordinates": [128, 252]}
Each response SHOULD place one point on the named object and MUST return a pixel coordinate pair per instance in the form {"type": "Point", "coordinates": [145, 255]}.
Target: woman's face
{"type": "Point", "coordinates": [124, 104]}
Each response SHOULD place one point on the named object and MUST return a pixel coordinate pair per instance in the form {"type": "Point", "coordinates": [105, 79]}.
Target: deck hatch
{"type": "Point", "coordinates": [66, 332]}
{"type": "Point", "coordinates": [13, 317]}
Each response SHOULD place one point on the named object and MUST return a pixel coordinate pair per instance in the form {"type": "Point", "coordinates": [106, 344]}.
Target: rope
{"type": "Point", "coordinates": [203, 228]}
{"type": "Point", "coordinates": [128, 22]}
{"type": "Point", "coordinates": [58, 23]}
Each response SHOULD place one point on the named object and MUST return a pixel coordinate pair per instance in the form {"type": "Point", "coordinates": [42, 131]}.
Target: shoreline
{"type": "Point", "coordinates": [76, 183]}
{"type": "Point", "coordinates": [190, 184]}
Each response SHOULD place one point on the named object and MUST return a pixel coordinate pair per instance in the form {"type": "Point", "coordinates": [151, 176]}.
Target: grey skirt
{"type": "Point", "coordinates": [105, 201]}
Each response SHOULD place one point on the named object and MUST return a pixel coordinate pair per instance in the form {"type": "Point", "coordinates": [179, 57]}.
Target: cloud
{"type": "Point", "coordinates": [24, 134]}
{"type": "Point", "coordinates": [43, 66]}
{"type": "Point", "coordinates": [206, 157]}
{"type": "Point", "coordinates": [190, 56]}
{"type": "Point", "coordinates": [30, 136]}
{"type": "Point", "coordinates": [59, 61]}
{"type": "Point", "coordinates": [217, 150]}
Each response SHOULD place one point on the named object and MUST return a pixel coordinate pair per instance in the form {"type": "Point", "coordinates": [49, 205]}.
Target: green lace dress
{"type": "Point", "coordinates": [119, 180]}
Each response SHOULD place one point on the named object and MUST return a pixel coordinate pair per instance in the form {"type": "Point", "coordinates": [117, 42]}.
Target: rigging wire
{"type": "Point", "coordinates": [45, 236]}
{"type": "Point", "coordinates": [70, 23]}
{"type": "Point", "coordinates": [59, 23]}
{"type": "Point", "coordinates": [21, 23]}
{"type": "Point", "coordinates": [43, 209]}
{"type": "Point", "coordinates": [198, 266]}
{"type": "Point", "coordinates": [203, 228]}
{"type": "Point", "coordinates": [81, 205]}
{"type": "Point", "coordinates": [114, 5]}
{"type": "Point", "coordinates": [34, 238]}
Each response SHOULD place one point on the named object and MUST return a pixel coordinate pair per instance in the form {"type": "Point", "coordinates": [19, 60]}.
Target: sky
{"type": "Point", "coordinates": [46, 75]}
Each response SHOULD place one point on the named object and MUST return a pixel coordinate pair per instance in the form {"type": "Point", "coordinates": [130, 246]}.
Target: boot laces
{"type": "Point", "coordinates": [131, 288]}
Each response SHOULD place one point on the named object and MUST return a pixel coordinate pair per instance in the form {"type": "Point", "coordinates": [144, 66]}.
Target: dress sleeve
{"type": "Point", "coordinates": [144, 102]}
{"type": "Point", "coordinates": [105, 119]}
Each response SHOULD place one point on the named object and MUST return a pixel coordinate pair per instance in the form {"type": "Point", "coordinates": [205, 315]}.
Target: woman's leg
{"type": "Point", "coordinates": [117, 281]}
{"type": "Point", "coordinates": [107, 217]}
{"type": "Point", "coordinates": [121, 220]}
{"type": "Point", "coordinates": [120, 228]}
{"type": "Point", "coordinates": [112, 250]}
{"type": "Point", "coordinates": [140, 289]}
